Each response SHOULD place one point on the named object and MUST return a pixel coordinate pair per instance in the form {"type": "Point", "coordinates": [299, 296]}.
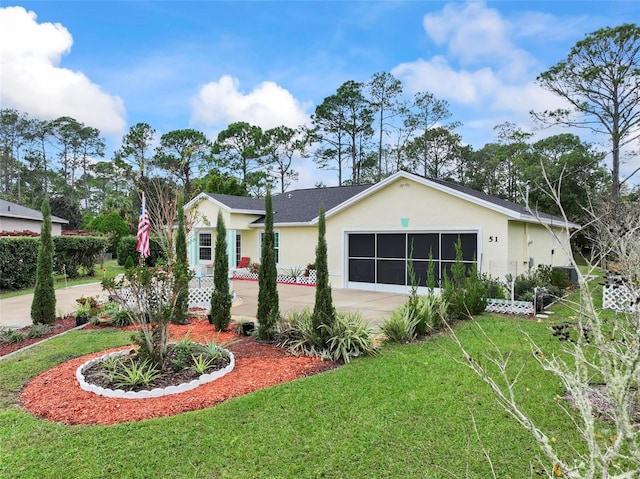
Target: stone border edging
{"type": "Point", "coordinates": [157, 392]}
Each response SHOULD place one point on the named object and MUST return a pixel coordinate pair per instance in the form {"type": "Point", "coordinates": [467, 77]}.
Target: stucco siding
{"type": "Point", "coordinates": [207, 215]}
{"type": "Point", "coordinates": [410, 207]}
{"type": "Point", "coordinates": [240, 221]}
{"type": "Point", "coordinates": [297, 246]}
{"type": "Point", "coordinates": [544, 249]}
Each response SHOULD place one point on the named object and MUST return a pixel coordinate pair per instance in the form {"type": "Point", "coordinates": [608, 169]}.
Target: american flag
{"type": "Point", "coordinates": [143, 230]}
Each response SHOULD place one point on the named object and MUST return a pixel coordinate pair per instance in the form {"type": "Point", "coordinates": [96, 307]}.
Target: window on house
{"type": "Point", "coordinates": [276, 244]}
{"type": "Point", "coordinates": [238, 247]}
{"type": "Point", "coordinates": [204, 247]}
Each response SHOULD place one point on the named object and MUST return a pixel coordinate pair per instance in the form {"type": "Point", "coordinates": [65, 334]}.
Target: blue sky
{"type": "Point", "coordinates": [207, 64]}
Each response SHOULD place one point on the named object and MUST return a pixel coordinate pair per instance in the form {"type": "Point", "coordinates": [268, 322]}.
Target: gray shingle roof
{"type": "Point", "coordinates": [496, 201]}
{"type": "Point", "coordinates": [297, 206]}
{"type": "Point", "coordinates": [14, 210]}
{"type": "Point", "coordinates": [302, 206]}
{"type": "Point", "coordinates": [239, 202]}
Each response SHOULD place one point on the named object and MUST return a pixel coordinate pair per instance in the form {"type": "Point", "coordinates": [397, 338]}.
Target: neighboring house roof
{"type": "Point", "coordinates": [14, 210]}
{"type": "Point", "coordinates": [302, 206]}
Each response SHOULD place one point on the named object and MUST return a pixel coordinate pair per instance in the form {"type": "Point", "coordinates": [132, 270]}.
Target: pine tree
{"type": "Point", "coordinates": [268, 301]}
{"type": "Point", "coordinates": [43, 307]}
{"type": "Point", "coordinates": [221, 297]}
{"type": "Point", "coordinates": [181, 272]}
{"type": "Point", "coordinates": [324, 313]}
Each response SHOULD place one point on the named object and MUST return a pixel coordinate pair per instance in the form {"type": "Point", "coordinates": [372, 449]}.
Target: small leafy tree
{"type": "Point", "coordinates": [221, 297]}
{"type": "Point", "coordinates": [181, 270]}
{"type": "Point", "coordinates": [43, 307]}
{"type": "Point", "coordinates": [268, 300]}
{"type": "Point", "coordinates": [324, 313]}
{"type": "Point", "coordinates": [148, 296]}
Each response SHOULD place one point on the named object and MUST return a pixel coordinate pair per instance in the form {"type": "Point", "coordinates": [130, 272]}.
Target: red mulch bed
{"type": "Point", "coordinates": [60, 326]}
{"type": "Point", "coordinates": [55, 395]}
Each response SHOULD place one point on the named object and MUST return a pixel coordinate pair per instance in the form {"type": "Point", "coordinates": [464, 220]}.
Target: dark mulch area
{"type": "Point", "coordinates": [60, 326]}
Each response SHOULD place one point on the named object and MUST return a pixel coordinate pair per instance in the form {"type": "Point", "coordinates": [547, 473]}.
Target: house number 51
{"type": "Point", "coordinates": [493, 239]}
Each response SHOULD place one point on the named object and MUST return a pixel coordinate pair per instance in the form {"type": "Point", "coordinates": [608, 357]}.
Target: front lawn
{"type": "Point", "coordinates": [404, 413]}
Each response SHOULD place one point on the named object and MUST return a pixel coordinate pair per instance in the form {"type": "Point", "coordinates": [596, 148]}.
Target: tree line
{"type": "Point", "coordinates": [365, 131]}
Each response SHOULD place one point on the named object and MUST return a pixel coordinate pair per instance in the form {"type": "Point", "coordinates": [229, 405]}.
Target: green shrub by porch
{"type": "Point", "coordinates": [221, 297]}
{"type": "Point", "coordinates": [268, 301]}
{"type": "Point", "coordinates": [324, 313]}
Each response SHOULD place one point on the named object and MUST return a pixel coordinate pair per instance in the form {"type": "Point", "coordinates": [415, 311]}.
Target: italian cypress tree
{"type": "Point", "coordinates": [43, 307]}
{"type": "Point", "coordinates": [181, 273]}
{"type": "Point", "coordinates": [221, 297]}
{"type": "Point", "coordinates": [268, 301]}
{"type": "Point", "coordinates": [324, 314]}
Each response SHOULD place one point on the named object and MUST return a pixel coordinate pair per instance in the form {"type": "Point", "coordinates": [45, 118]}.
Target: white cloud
{"type": "Point", "coordinates": [440, 78]}
{"type": "Point", "coordinates": [475, 34]}
{"type": "Point", "coordinates": [32, 80]}
{"type": "Point", "coordinates": [268, 105]}
{"type": "Point", "coordinates": [482, 66]}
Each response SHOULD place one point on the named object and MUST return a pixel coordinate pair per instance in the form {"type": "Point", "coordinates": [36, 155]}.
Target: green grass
{"type": "Point", "coordinates": [404, 413]}
{"type": "Point", "coordinates": [112, 269]}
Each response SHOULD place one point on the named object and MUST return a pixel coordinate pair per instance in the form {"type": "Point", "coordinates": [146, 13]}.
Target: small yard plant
{"type": "Point", "coordinates": [418, 317]}
{"type": "Point", "coordinates": [9, 335]}
{"type": "Point", "coordinates": [38, 330]}
{"type": "Point", "coordinates": [348, 336]}
{"type": "Point", "coordinates": [131, 374]}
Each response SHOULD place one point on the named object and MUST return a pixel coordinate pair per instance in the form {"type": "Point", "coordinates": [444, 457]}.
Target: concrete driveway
{"type": "Point", "coordinates": [373, 306]}
{"type": "Point", "coordinates": [16, 312]}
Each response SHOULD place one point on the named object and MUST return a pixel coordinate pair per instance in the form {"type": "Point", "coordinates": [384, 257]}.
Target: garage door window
{"type": "Point", "coordinates": [383, 257]}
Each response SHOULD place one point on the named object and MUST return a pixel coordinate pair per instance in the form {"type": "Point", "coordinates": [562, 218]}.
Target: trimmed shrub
{"type": "Point", "coordinates": [75, 252]}
{"type": "Point", "coordinates": [324, 313]}
{"type": "Point", "coordinates": [221, 297]}
{"type": "Point", "coordinates": [43, 306]}
{"type": "Point", "coordinates": [127, 247]}
{"type": "Point", "coordinates": [18, 260]}
{"type": "Point", "coordinates": [129, 263]}
{"type": "Point", "coordinates": [268, 313]}
{"type": "Point", "coordinates": [181, 270]}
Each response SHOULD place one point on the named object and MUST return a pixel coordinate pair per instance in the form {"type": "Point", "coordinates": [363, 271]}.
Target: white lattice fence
{"type": "Point", "coordinates": [198, 297]}
{"type": "Point", "coordinates": [506, 306]}
{"type": "Point", "coordinates": [281, 278]}
{"type": "Point", "coordinates": [617, 297]}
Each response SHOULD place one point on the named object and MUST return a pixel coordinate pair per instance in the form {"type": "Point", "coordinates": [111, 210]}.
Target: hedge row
{"type": "Point", "coordinates": [18, 258]}
{"type": "Point", "coordinates": [127, 247]}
